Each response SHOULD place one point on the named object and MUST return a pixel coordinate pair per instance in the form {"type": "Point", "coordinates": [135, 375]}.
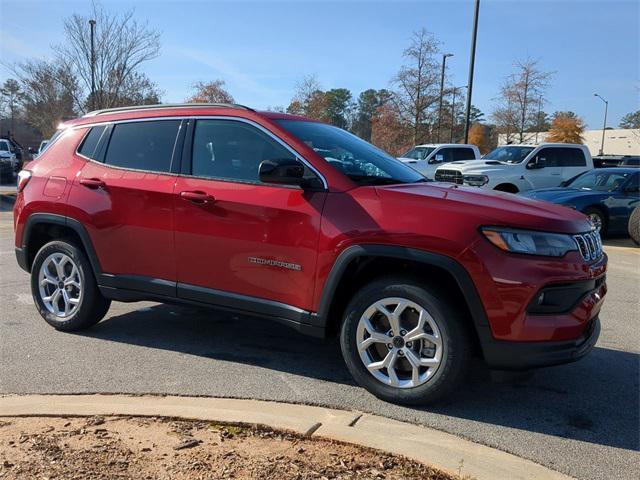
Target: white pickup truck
{"type": "Point", "coordinates": [516, 168]}
{"type": "Point", "coordinates": [426, 158]}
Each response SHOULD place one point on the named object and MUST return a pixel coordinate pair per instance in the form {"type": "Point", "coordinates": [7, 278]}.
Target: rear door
{"type": "Point", "coordinates": [124, 197]}
{"type": "Point", "coordinates": [573, 162]}
{"type": "Point", "coordinates": [240, 241]}
{"type": "Point", "coordinates": [464, 153]}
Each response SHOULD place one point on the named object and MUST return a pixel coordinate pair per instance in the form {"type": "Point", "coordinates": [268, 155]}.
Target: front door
{"type": "Point", "coordinates": [550, 175]}
{"type": "Point", "coordinates": [235, 235]}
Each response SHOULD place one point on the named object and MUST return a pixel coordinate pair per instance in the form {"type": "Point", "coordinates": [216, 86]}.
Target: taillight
{"type": "Point", "coordinates": [23, 178]}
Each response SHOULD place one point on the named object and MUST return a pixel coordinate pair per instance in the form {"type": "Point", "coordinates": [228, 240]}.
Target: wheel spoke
{"type": "Point", "coordinates": [387, 362]}
{"type": "Point", "coordinates": [48, 279]}
{"type": "Point", "coordinates": [49, 299]}
{"type": "Point", "coordinates": [415, 365]}
{"type": "Point", "coordinates": [59, 265]}
{"type": "Point", "coordinates": [413, 336]}
{"type": "Point", "coordinates": [374, 336]}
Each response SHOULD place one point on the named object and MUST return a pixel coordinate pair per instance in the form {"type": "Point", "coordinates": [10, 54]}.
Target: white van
{"type": "Point", "coordinates": [426, 158]}
{"type": "Point", "coordinates": [516, 168]}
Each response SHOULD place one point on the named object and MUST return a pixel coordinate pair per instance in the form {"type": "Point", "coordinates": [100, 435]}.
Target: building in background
{"type": "Point", "coordinates": [616, 141]}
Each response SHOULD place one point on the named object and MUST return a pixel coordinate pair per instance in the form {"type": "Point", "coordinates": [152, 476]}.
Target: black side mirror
{"type": "Point", "coordinates": [287, 171]}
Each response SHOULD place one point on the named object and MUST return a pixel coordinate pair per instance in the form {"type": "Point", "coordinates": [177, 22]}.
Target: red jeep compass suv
{"type": "Point", "coordinates": [303, 223]}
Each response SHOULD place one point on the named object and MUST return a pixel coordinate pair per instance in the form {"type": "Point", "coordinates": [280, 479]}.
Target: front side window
{"type": "Point", "coordinates": [90, 144]}
{"type": "Point", "coordinates": [233, 150]}
{"type": "Point", "coordinates": [509, 154]}
{"type": "Point", "coordinates": [550, 157]}
{"type": "Point", "coordinates": [418, 153]}
{"type": "Point", "coordinates": [143, 145]}
{"type": "Point", "coordinates": [359, 160]}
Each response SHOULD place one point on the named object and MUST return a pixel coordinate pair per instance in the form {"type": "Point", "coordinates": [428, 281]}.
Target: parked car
{"type": "Point", "coordinates": [425, 158]}
{"type": "Point", "coordinates": [606, 195]}
{"type": "Point", "coordinates": [517, 168]}
{"type": "Point", "coordinates": [8, 161]}
{"type": "Point", "coordinates": [226, 207]}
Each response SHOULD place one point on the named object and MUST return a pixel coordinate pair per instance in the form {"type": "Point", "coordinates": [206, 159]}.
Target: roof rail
{"type": "Point", "coordinates": [165, 105]}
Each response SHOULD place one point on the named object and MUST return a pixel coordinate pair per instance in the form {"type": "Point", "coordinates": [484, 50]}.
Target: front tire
{"type": "Point", "coordinates": [64, 288]}
{"type": "Point", "coordinates": [597, 219]}
{"type": "Point", "coordinates": [404, 342]}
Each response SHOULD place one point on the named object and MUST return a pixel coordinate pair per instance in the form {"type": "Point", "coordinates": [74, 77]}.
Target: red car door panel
{"type": "Point", "coordinates": [254, 240]}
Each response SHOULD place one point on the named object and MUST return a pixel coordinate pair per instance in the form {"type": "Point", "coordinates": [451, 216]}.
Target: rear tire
{"type": "Point", "coordinates": [64, 288]}
{"type": "Point", "coordinates": [447, 358]}
{"type": "Point", "coordinates": [634, 225]}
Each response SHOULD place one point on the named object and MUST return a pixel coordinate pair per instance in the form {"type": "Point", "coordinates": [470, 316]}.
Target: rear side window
{"type": "Point", "coordinates": [143, 145]}
{"type": "Point", "coordinates": [573, 157]}
{"type": "Point", "coordinates": [463, 154]}
{"type": "Point", "coordinates": [550, 156]}
{"type": "Point", "coordinates": [89, 147]}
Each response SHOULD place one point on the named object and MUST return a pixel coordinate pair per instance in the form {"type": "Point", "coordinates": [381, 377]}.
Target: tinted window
{"type": "Point", "coordinates": [143, 145]}
{"type": "Point", "coordinates": [232, 150]}
{"type": "Point", "coordinates": [444, 155]}
{"type": "Point", "coordinates": [90, 143]}
{"type": "Point", "coordinates": [603, 181]}
{"type": "Point", "coordinates": [572, 157]}
{"type": "Point", "coordinates": [4, 146]}
{"type": "Point", "coordinates": [463, 154]}
{"type": "Point", "coordinates": [550, 156]}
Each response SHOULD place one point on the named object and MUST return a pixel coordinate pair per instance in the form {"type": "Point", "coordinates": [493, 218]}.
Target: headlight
{"type": "Point", "coordinates": [529, 242]}
{"type": "Point", "coordinates": [475, 180]}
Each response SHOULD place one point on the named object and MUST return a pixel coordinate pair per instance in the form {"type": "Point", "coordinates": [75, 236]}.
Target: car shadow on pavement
{"type": "Point", "coordinates": [594, 400]}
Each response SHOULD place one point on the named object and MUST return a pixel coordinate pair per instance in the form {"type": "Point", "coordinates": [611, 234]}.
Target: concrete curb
{"type": "Point", "coordinates": [442, 450]}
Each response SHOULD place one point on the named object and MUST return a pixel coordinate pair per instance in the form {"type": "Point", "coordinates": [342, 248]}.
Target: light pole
{"type": "Point", "coordinates": [444, 61]}
{"type": "Point", "coordinates": [538, 122]}
{"type": "Point", "coordinates": [453, 111]}
{"type": "Point", "coordinates": [604, 126]}
{"type": "Point", "coordinates": [474, 35]}
{"type": "Point", "coordinates": [92, 24]}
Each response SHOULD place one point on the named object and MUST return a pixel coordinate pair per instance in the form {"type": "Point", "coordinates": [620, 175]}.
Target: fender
{"type": "Point", "coordinates": [51, 218]}
{"type": "Point", "coordinates": [458, 272]}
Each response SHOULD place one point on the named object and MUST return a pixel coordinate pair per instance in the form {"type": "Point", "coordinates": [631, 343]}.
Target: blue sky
{"type": "Point", "coordinates": [262, 48]}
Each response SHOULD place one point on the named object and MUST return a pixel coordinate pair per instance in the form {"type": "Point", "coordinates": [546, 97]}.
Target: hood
{"type": "Point", "coordinates": [475, 207]}
{"type": "Point", "coordinates": [477, 166]}
{"type": "Point", "coordinates": [561, 195]}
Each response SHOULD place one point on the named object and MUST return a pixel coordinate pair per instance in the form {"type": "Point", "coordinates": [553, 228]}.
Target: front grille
{"type": "Point", "coordinates": [589, 244]}
{"type": "Point", "coordinates": [451, 176]}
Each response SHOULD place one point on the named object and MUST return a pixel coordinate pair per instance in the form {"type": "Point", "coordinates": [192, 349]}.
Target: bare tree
{"type": "Point", "coordinates": [10, 99]}
{"type": "Point", "coordinates": [49, 91]}
{"type": "Point", "coordinates": [519, 96]}
{"type": "Point", "coordinates": [211, 92]}
{"type": "Point", "coordinates": [417, 83]}
{"type": "Point", "coordinates": [122, 45]}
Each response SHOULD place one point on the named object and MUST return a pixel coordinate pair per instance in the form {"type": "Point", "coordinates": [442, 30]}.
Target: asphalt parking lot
{"type": "Point", "coordinates": [581, 419]}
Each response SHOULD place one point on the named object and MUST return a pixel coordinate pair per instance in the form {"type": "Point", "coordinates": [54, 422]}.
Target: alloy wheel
{"type": "Point", "coordinates": [399, 342]}
{"type": "Point", "coordinates": [60, 285]}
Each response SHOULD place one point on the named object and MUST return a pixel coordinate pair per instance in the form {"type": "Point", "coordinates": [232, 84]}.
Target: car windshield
{"type": "Point", "coordinates": [360, 161]}
{"type": "Point", "coordinates": [4, 147]}
{"type": "Point", "coordinates": [418, 153]}
{"type": "Point", "coordinates": [509, 154]}
{"type": "Point", "coordinates": [600, 181]}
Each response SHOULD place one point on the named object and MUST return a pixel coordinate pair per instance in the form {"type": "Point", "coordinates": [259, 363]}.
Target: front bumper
{"type": "Point", "coordinates": [506, 355]}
